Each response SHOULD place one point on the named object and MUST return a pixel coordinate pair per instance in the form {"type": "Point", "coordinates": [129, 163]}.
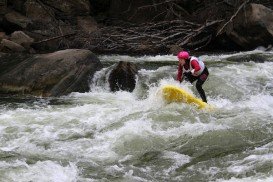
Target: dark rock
{"type": "Point", "coordinates": [53, 74]}
{"type": "Point", "coordinates": [252, 27]}
{"type": "Point", "coordinates": [123, 77]}
{"type": "Point", "coordinates": [38, 12]}
{"type": "Point", "coordinates": [14, 21]}
{"type": "Point", "coordinates": [70, 7]}
{"type": "Point", "coordinates": [136, 11]}
{"type": "Point", "coordinates": [99, 6]}
{"type": "Point", "coordinates": [3, 36]}
{"type": "Point", "coordinates": [255, 57]}
{"type": "Point", "coordinates": [87, 24]}
{"type": "Point", "coordinates": [10, 46]}
{"type": "Point", "coordinates": [21, 38]}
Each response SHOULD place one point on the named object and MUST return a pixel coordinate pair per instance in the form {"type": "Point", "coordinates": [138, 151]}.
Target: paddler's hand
{"type": "Point", "coordinates": [185, 76]}
{"type": "Point", "coordinates": [193, 72]}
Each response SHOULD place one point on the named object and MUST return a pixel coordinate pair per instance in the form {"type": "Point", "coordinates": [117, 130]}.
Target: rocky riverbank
{"type": "Point", "coordinates": [140, 27]}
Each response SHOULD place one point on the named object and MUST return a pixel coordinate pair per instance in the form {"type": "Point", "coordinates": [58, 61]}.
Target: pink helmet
{"type": "Point", "coordinates": [183, 55]}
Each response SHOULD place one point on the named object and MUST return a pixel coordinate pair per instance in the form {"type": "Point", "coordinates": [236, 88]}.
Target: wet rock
{"type": "Point", "coordinates": [53, 74]}
{"type": "Point", "coordinates": [123, 77]}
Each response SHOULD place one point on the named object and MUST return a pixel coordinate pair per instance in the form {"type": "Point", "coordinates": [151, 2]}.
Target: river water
{"type": "Point", "coordinates": [104, 136]}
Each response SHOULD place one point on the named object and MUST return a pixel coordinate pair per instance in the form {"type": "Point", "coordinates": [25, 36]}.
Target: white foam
{"type": "Point", "coordinates": [108, 128]}
{"type": "Point", "coordinates": [43, 171]}
{"type": "Point", "coordinates": [178, 161]}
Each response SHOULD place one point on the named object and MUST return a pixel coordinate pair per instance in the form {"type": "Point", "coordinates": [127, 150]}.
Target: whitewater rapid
{"type": "Point", "coordinates": [122, 136]}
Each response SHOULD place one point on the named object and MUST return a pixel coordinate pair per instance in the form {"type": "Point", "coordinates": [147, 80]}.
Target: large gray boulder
{"type": "Point", "coordinates": [252, 27]}
{"type": "Point", "coordinates": [53, 74]}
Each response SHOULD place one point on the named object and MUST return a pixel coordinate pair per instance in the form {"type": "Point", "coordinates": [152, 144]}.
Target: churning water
{"type": "Point", "coordinates": [105, 136]}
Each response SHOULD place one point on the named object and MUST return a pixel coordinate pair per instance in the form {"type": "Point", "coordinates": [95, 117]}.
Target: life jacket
{"type": "Point", "coordinates": [201, 64]}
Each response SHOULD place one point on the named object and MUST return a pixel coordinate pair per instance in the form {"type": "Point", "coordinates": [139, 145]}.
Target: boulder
{"type": "Point", "coordinates": [252, 27]}
{"type": "Point", "coordinates": [123, 77]}
{"type": "Point", "coordinates": [10, 46]}
{"type": "Point", "coordinates": [53, 74]}
{"type": "Point", "coordinates": [21, 38]}
{"type": "Point", "coordinates": [15, 21]}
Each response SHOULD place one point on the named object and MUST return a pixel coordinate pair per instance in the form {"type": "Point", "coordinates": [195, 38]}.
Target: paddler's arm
{"type": "Point", "coordinates": [195, 66]}
{"type": "Point", "coordinates": [179, 73]}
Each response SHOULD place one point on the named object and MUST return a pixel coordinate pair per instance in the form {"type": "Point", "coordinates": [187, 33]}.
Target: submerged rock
{"type": "Point", "coordinates": [254, 57]}
{"type": "Point", "coordinates": [123, 77]}
{"type": "Point", "coordinates": [53, 74]}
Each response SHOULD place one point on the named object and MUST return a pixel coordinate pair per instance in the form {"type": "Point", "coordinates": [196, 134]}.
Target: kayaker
{"type": "Point", "coordinates": [193, 69]}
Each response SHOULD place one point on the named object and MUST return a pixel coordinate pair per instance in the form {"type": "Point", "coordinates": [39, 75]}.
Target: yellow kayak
{"type": "Point", "coordinates": [176, 94]}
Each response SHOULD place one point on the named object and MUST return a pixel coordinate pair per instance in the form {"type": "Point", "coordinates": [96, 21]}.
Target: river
{"type": "Point", "coordinates": [122, 136]}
